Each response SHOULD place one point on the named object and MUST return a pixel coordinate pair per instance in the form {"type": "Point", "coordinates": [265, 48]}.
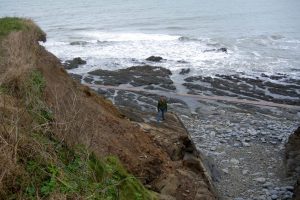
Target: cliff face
{"type": "Point", "coordinates": [78, 116]}
{"type": "Point", "coordinates": [293, 159]}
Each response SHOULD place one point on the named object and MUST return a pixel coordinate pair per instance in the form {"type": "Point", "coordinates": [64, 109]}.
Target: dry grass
{"type": "Point", "coordinates": [39, 153]}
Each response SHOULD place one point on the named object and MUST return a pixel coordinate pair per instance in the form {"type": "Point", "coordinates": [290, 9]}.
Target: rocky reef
{"type": "Point", "coordinates": [147, 76]}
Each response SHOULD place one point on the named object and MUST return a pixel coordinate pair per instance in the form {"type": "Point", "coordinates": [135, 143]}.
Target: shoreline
{"type": "Point", "coordinates": [245, 129]}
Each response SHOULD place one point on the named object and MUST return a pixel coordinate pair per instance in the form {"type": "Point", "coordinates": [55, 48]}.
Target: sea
{"type": "Point", "coordinates": [261, 36]}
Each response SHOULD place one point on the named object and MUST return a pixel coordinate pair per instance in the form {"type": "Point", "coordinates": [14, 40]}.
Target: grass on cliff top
{"type": "Point", "coordinates": [14, 24]}
{"type": "Point", "coordinates": [10, 24]}
{"type": "Point", "coordinates": [39, 166]}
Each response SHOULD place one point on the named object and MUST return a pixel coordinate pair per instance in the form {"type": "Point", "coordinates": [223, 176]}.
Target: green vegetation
{"type": "Point", "coordinates": [76, 173]}
{"type": "Point", "coordinates": [10, 24]}
{"type": "Point", "coordinates": [33, 89]}
{"type": "Point", "coordinates": [14, 24]}
{"type": "Point", "coordinates": [45, 167]}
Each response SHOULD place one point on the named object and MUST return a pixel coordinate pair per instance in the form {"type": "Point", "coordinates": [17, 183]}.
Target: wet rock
{"type": "Point", "coordinates": [223, 49]}
{"type": "Point", "coordinates": [80, 43]}
{"type": "Point", "coordinates": [244, 172]}
{"type": "Point", "coordinates": [76, 77]}
{"type": "Point", "coordinates": [239, 86]}
{"type": "Point", "coordinates": [154, 58]}
{"type": "Point", "coordinates": [235, 161]}
{"type": "Point", "coordinates": [225, 171]}
{"type": "Point", "coordinates": [267, 185]}
{"type": "Point", "coordinates": [274, 197]}
{"type": "Point", "coordinates": [72, 64]}
{"type": "Point", "coordinates": [182, 61]}
{"type": "Point", "coordinates": [88, 79]}
{"type": "Point", "coordinates": [260, 180]}
{"type": "Point", "coordinates": [185, 71]}
{"type": "Point", "coordinates": [137, 76]}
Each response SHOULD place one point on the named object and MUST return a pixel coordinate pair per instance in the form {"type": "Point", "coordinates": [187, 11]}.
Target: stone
{"type": "Point", "coordinates": [235, 161]}
{"type": "Point", "coordinates": [137, 76]}
{"type": "Point", "coordinates": [245, 144]}
{"type": "Point", "coordinates": [75, 63]}
{"type": "Point", "coordinates": [212, 134]}
{"type": "Point", "coordinates": [213, 148]}
{"type": "Point", "coordinates": [273, 142]}
{"type": "Point", "coordinates": [236, 144]}
{"type": "Point", "coordinates": [289, 188]}
{"type": "Point", "coordinates": [185, 71]}
{"type": "Point", "coordinates": [274, 197]}
{"type": "Point", "coordinates": [225, 171]}
{"type": "Point", "coordinates": [262, 197]}
{"type": "Point", "coordinates": [244, 172]}
{"type": "Point", "coordinates": [260, 180]}
{"type": "Point", "coordinates": [267, 185]}
{"type": "Point", "coordinates": [154, 58]}
{"type": "Point", "coordinates": [273, 192]}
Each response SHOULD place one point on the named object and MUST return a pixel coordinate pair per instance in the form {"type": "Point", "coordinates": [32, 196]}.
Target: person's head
{"type": "Point", "coordinates": [161, 97]}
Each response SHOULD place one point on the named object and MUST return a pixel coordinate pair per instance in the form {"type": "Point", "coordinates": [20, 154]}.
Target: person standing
{"type": "Point", "coordinates": [162, 107]}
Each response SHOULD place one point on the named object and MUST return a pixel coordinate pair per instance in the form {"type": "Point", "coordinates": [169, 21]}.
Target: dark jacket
{"type": "Point", "coordinates": [162, 105]}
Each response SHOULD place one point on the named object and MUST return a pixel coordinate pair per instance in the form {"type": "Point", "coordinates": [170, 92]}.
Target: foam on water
{"type": "Point", "coordinates": [114, 50]}
{"type": "Point", "coordinates": [122, 37]}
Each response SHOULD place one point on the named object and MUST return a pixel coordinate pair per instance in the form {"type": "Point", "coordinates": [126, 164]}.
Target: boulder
{"type": "Point", "coordinates": [185, 71]}
{"type": "Point", "coordinates": [154, 58]}
{"type": "Point", "coordinates": [137, 76]}
{"type": "Point", "coordinates": [72, 64]}
{"type": "Point", "coordinates": [223, 49]}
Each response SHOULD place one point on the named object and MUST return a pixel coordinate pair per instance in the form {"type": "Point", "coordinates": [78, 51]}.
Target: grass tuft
{"type": "Point", "coordinates": [10, 24]}
{"type": "Point", "coordinates": [15, 24]}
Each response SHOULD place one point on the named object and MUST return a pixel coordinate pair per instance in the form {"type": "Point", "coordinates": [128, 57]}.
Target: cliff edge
{"type": "Point", "coordinates": [53, 123]}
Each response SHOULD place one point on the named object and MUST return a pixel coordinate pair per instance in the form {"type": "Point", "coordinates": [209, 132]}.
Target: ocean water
{"type": "Point", "coordinates": [262, 36]}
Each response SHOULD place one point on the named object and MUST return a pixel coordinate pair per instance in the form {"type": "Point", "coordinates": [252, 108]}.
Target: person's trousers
{"type": "Point", "coordinates": [161, 114]}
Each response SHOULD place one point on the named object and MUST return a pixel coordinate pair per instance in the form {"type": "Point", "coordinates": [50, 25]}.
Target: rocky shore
{"type": "Point", "coordinates": [242, 144]}
{"type": "Point", "coordinates": [68, 142]}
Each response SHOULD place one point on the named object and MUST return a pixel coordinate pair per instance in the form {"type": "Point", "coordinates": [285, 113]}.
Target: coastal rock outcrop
{"type": "Point", "coordinates": [223, 49]}
{"type": "Point", "coordinates": [185, 71]}
{"type": "Point", "coordinates": [154, 58]}
{"type": "Point", "coordinates": [240, 86]}
{"type": "Point", "coordinates": [137, 76]}
{"type": "Point", "coordinates": [72, 64]}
